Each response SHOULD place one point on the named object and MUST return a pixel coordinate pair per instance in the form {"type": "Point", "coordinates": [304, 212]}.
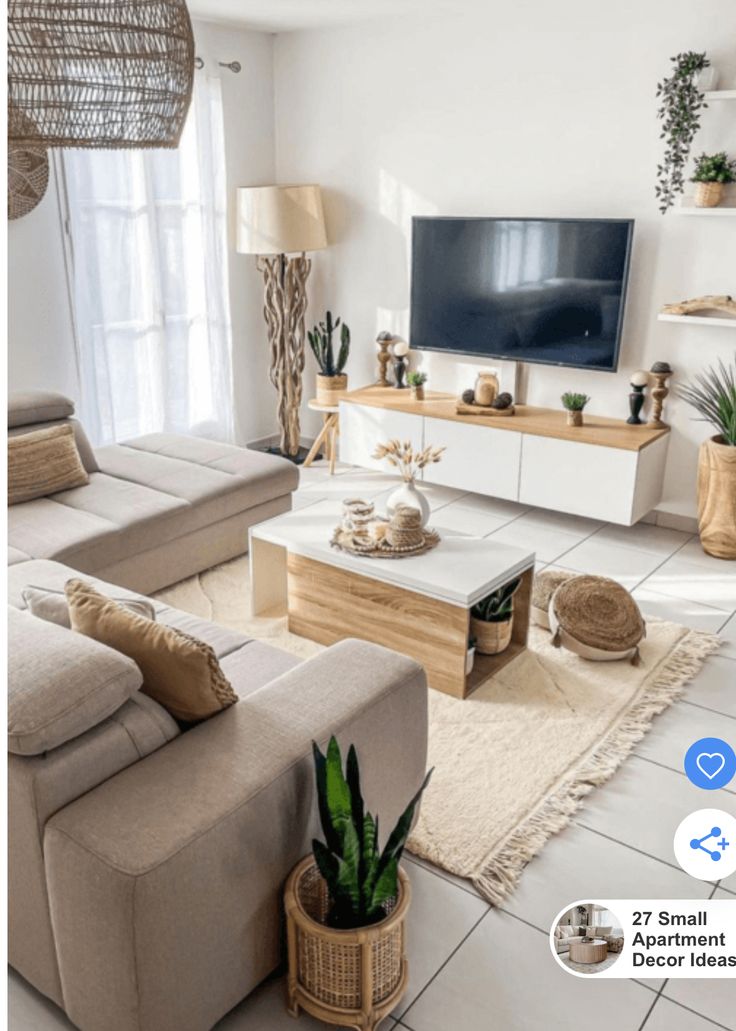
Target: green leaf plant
{"type": "Point", "coordinates": [320, 340]}
{"type": "Point", "coordinates": [574, 402]}
{"type": "Point", "coordinates": [714, 168]}
{"type": "Point", "coordinates": [713, 395]}
{"type": "Point", "coordinates": [497, 607]}
{"type": "Point", "coordinates": [680, 105]}
{"type": "Point", "coordinates": [361, 879]}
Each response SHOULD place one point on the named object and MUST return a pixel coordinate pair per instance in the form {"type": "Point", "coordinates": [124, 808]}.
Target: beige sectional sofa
{"type": "Point", "coordinates": [146, 863]}
{"type": "Point", "coordinates": [157, 509]}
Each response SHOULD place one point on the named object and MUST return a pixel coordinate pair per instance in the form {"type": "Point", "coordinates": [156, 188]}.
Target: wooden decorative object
{"type": "Point", "coordinates": [327, 436]}
{"type": "Point", "coordinates": [99, 74]}
{"type": "Point", "coordinates": [717, 498]}
{"type": "Point", "coordinates": [348, 978]}
{"type": "Point", "coordinates": [484, 410]}
{"type": "Point", "coordinates": [384, 341]}
{"type": "Point", "coordinates": [709, 302]}
{"type": "Point", "coordinates": [28, 177]}
{"type": "Point", "coordinates": [284, 307]}
{"type": "Point", "coordinates": [661, 371]}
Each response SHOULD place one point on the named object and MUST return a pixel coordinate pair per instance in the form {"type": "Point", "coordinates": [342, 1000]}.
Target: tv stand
{"type": "Point", "coordinates": [604, 469]}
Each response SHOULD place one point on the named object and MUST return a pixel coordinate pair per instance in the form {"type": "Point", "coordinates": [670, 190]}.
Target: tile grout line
{"type": "Point", "coordinates": [649, 1012]}
{"type": "Point", "coordinates": [632, 848]}
{"type": "Point", "coordinates": [673, 769]}
{"type": "Point", "coordinates": [441, 967]}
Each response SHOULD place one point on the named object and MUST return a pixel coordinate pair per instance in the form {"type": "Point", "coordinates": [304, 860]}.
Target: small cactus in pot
{"type": "Point", "coordinates": [331, 380]}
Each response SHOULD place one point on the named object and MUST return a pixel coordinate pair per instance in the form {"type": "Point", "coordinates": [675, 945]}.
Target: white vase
{"type": "Point", "coordinates": [408, 494]}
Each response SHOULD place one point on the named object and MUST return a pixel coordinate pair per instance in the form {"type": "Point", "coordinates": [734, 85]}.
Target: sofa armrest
{"type": "Point", "coordinates": [165, 882]}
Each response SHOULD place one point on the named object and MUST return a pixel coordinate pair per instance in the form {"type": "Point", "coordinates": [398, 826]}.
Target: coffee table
{"type": "Point", "coordinates": [589, 952]}
{"type": "Point", "coordinates": [419, 606]}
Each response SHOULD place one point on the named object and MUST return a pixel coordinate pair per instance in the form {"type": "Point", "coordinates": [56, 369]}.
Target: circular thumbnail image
{"type": "Point", "coordinates": [587, 938]}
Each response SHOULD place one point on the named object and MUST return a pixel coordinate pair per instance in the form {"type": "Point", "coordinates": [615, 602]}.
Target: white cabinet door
{"type": "Point", "coordinates": [477, 458]}
{"type": "Point", "coordinates": [583, 479]}
{"type": "Point", "coordinates": [362, 427]}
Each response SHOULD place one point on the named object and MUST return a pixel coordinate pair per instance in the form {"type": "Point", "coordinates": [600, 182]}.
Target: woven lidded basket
{"type": "Point", "coordinates": [352, 977]}
{"type": "Point", "coordinates": [597, 619]}
{"type": "Point", "coordinates": [545, 585]}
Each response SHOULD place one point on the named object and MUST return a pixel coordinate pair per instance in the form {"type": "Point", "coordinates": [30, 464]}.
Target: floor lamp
{"type": "Point", "coordinates": [279, 224]}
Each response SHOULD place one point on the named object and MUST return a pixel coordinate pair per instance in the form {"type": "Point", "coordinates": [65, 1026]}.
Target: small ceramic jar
{"type": "Point", "coordinates": [486, 388]}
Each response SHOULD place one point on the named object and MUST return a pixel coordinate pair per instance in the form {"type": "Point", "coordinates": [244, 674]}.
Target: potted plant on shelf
{"type": "Point", "coordinates": [416, 381]}
{"type": "Point", "coordinates": [331, 380]}
{"type": "Point", "coordinates": [346, 905]}
{"type": "Point", "coordinates": [402, 456]}
{"type": "Point", "coordinates": [713, 395]}
{"type": "Point", "coordinates": [681, 101]}
{"type": "Point", "coordinates": [711, 172]}
{"type": "Point", "coordinates": [492, 620]}
{"type": "Point", "coordinates": [574, 404]}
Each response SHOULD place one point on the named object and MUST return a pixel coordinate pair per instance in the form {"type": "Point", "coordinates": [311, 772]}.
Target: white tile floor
{"type": "Point", "coordinates": [475, 968]}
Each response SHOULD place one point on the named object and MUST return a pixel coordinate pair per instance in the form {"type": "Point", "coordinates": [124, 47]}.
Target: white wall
{"type": "Point", "coordinates": [528, 109]}
{"type": "Point", "coordinates": [41, 349]}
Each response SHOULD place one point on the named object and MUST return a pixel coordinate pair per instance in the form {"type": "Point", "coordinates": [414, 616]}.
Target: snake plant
{"type": "Point", "coordinates": [360, 877]}
{"type": "Point", "coordinates": [320, 340]}
{"type": "Point", "coordinates": [497, 607]}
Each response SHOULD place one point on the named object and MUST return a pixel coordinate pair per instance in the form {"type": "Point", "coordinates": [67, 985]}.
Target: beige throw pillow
{"type": "Point", "coordinates": [179, 671]}
{"type": "Point", "coordinates": [54, 608]}
{"type": "Point", "coordinates": [43, 462]}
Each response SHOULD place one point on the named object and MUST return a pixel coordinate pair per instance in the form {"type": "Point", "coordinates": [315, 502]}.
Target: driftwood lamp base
{"type": "Point", "coordinates": [284, 308]}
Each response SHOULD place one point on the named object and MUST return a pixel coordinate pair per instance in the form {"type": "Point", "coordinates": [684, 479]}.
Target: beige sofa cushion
{"type": "Point", "coordinates": [29, 406]}
{"type": "Point", "coordinates": [53, 606]}
{"type": "Point", "coordinates": [179, 671]}
{"type": "Point", "coordinates": [60, 685]}
{"type": "Point", "coordinates": [43, 462]}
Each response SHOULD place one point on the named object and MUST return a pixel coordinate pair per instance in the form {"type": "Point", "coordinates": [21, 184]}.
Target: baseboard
{"type": "Point", "coordinates": [673, 521]}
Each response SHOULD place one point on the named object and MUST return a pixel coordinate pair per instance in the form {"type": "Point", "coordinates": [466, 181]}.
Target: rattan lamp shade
{"type": "Point", "coordinates": [280, 220]}
{"type": "Point", "coordinates": [110, 73]}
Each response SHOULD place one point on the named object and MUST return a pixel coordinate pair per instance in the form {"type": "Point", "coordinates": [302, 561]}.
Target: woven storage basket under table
{"type": "Point", "coordinates": [348, 978]}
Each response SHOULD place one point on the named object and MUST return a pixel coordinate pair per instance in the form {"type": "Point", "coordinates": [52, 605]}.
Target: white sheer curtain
{"type": "Point", "coordinates": [149, 271]}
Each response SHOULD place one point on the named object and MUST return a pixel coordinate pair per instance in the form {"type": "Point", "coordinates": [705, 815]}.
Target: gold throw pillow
{"type": "Point", "coordinates": [43, 462]}
{"type": "Point", "coordinates": [179, 672]}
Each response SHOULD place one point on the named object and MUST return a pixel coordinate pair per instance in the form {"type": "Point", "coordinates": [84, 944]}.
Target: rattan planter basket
{"type": "Point", "coordinates": [330, 388]}
{"type": "Point", "coordinates": [708, 195]}
{"type": "Point", "coordinates": [491, 638]}
{"type": "Point", "coordinates": [346, 978]}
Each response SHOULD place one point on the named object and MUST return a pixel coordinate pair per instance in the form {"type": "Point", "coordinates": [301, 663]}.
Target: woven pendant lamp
{"type": "Point", "coordinates": [111, 73]}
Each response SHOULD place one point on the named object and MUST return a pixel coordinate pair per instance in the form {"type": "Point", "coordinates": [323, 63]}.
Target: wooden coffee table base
{"type": "Point", "coordinates": [588, 952]}
{"type": "Point", "coordinates": [327, 604]}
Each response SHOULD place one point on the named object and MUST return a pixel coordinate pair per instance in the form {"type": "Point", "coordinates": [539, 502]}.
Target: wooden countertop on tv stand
{"type": "Point", "coordinates": [541, 422]}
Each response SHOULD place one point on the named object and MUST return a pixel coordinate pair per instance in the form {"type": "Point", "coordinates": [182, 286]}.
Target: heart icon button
{"type": "Point", "coordinates": [710, 764]}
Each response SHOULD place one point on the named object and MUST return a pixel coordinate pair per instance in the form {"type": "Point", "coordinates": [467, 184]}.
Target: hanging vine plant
{"type": "Point", "coordinates": [681, 104]}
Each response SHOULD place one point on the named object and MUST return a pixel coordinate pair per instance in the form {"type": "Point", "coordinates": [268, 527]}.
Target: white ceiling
{"type": "Point", "coordinates": [286, 15]}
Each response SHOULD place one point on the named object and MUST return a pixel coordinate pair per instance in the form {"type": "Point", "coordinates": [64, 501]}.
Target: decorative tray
{"type": "Point", "coordinates": [462, 409]}
{"type": "Point", "coordinates": [376, 546]}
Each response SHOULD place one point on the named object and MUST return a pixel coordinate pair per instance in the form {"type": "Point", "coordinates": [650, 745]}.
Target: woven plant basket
{"type": "Point", "coordinates": [346, 978]}
{"type": "Point", "coordinates": [717, 498]}
{"type": "Point", "coordinates": [708, 195]}
{"type": "Point", "coordinates": [329, 388]}
{"type": "Point", "coordinates": [491, 638]}
{"type": "Point", "coordinates": [597, 619]}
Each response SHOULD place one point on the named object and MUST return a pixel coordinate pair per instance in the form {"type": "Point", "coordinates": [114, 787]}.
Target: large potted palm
{"type": "Point", "coordinates": [346, 905]}
{"type": "Point", "coordinates": [713, 395]}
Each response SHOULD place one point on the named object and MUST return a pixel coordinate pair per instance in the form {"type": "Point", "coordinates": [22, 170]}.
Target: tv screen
{"type": "Point", "coordinates": [529, 290]}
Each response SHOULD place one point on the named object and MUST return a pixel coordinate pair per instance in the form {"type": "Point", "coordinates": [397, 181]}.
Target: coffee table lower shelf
{"type": "Point", "coordinates": [328, 604]}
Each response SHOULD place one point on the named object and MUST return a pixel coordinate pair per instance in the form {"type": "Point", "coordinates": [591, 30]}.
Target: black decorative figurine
{"type": "Point", "coordinates": [636, 398]}
{"type": "Point", "coordinates": [400, 350]}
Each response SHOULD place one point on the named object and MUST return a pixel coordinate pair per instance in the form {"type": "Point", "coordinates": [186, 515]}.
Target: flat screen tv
{"type": "Point", "coordinates": [526, 289]}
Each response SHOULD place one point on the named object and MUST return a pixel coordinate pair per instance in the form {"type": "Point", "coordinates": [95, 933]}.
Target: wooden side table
{"type": "Point", "coordinates": [327, 435]}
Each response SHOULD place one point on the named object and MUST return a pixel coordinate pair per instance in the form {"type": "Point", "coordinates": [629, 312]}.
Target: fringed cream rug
{"type": "Point", "coordinates": [514, 760]}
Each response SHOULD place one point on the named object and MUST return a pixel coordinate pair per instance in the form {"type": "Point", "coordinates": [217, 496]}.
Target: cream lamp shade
{"type": "Point", "coordinates": [280, 220]}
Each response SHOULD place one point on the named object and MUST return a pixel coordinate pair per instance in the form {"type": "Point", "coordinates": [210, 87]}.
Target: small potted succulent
{"type": "Point", "coordinates": [331, 380]}
{"type": "Point", "coordinates": [492, 620]}
{"type": "Point", "coordinates": [346, 905]}
{"type": "Point", "coordinates": [416, 381]}
{"type": "Point", "coordinates": [574, 405]}
{"type": "Point", "coordinates": [713, 395]}
{"type": "Point", "coordinates": [712, 171]}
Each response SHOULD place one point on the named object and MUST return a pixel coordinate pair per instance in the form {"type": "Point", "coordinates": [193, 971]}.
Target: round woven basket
{"type": "Point", "coordinates": [708, 195]}
{"type": "Point", "coordinates": [545, 585]}
{"type": "Point", "coordinates": [353, 977]}
{"type": "Point", "coordinates": [491, 638]}
{"type": "Point", "coordinates": [597, 619]}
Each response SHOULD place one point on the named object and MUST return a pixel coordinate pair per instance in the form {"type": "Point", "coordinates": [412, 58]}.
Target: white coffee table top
{"type": "Point", "coordinates": [460, 570]}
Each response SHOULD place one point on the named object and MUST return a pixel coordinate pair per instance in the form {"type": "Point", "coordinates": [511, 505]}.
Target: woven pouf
{"type": "Point", "coordinates": [597, 619]}
{"type": "Point", "coordinates": [545, 585]}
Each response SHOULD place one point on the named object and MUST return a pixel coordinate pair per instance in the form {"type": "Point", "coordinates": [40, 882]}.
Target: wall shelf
{"type": "Point", "coordinates": [699, 320]}
{"type": "Point", "coordinates": [690, 209]}
{"type": "Point", "coordinates": [721, 94]}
